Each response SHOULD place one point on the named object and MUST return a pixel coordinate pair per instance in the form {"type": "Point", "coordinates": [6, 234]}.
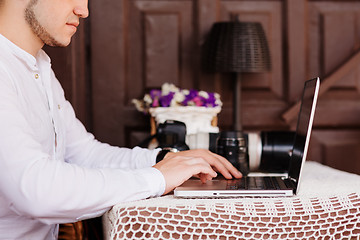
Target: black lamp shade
{"type": "Point", "coordinates": [236, 47]}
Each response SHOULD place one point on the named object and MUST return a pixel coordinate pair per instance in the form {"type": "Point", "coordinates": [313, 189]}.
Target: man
{"type": "Point", "coordinates": [51, 170]}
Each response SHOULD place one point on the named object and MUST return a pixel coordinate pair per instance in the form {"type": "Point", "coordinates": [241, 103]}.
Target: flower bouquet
{"type": "Point", "coordinates": [197, 109]}
{"type": "Point", "coordinates": [171, 96]}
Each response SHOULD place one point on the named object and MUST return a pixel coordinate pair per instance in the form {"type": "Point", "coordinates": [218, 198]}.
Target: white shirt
{"type": "Point", "coordinates": [51, 169]}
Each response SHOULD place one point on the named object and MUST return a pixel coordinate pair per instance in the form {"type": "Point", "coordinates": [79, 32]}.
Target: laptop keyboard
{"type": "Point", "coordinates": [256, 183]}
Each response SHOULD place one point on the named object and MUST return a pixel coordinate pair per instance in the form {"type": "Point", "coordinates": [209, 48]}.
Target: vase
{"type": "Point", "coordinates": [199, 122]}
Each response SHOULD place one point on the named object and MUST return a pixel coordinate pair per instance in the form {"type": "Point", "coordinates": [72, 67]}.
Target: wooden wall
{"type": "Point", "coordinates": [127, 47]}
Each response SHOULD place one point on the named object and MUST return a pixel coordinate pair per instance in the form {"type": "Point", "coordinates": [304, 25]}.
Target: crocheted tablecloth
{"type": "Point", "coordinates": [327, 207]}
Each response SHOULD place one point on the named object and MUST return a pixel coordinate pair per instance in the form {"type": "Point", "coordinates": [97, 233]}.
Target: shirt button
{"type": "Point", "coordinates": [36, 76]}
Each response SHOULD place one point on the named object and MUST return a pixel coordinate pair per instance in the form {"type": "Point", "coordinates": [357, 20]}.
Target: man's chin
{"type": "Point", "coordinates": [57, 43]}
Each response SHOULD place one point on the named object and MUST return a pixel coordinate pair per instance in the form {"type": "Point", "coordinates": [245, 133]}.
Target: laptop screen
{"type": "Point", "coordinates": [303, 130]}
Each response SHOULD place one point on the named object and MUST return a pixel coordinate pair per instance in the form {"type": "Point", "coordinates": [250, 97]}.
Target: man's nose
{"type": "Point", "coordinates": [81, 9]}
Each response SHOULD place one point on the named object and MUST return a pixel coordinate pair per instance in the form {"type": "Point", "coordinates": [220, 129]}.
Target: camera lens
{"type": "Point", "coordinates": [276, 148]}
{"type": "Point", "coordinates": [232, 146]}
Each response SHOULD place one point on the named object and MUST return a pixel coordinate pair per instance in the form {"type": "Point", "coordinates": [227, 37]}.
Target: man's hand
{"type": "Point", "coordinates": [179, 167]}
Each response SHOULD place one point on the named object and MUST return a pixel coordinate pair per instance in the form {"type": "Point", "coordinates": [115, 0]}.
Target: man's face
{"type": "Point", "coordinates": [54, 22]}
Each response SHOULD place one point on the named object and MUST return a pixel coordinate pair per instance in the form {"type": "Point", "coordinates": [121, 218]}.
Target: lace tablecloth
{"type": "Point", "coordinates": [327, 207]}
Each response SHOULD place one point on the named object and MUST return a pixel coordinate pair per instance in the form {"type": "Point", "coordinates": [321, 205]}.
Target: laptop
{"type": "Point", "coordinates": [265, 186]}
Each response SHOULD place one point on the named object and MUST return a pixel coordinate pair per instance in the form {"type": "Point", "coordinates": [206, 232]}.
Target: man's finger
{"type": "Point", "coordinates": [227, 167]}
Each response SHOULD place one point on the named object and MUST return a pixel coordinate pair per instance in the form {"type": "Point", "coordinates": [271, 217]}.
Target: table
{"type": "Point", "coordinates": [327, 207]}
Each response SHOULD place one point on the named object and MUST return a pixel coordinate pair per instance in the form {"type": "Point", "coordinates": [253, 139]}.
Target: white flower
{"type": "Point", "coordinates": [166, 88]}
{"type": "Point", "coordinates": [179, 97]}
{"type": "Point", "coordinates": [203, 94]}
{"type": "Point", "coordinates": [174, 103]}
{"type": "Point", "coordinates": [147, 99]}
{"type": "Point", "coordinates": [185, 92]}
{"type": "Point", "coordinates": [139, 105]}
{"type": "Point", "coordinates": [218, 102]}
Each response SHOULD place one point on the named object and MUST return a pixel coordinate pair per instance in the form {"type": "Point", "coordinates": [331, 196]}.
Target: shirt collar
{"type": "Point", "coordinates": [29, 60]}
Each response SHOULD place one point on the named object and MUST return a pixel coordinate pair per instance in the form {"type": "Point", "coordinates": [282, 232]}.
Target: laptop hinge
{"type": "Point", "coordinates": [290, 182]}
{"type": "Point", "coordinates": [292, 179]}
{"type": "Point", "coordinates": [289, 178]}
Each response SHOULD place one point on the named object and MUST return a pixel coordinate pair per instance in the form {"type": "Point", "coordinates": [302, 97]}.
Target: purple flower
{"type": "Point", "coordinates": [165, 100]}
{"type": "Point", "coordinates": [194, 99]}
{"type": "Point", "coordinates": [198, 100]}
{"type": "Point", "coordinates": [155, 102]}
{"type": "Point", "coordinates": [155, 95]}
{"type": "Point", "coordinates": [211, 101]}
{"type": "Point", "coordinates": [189, 98]}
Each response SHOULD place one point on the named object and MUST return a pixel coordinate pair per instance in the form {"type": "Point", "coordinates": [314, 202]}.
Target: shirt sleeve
{"type": "Point", "coordinates": [83, 149]}
{"type": "Point", "coordinates": [35, 185]}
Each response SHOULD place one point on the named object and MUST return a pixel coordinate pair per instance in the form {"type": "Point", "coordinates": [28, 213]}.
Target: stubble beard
{"type": "Point", "coordinates": [37, 28]}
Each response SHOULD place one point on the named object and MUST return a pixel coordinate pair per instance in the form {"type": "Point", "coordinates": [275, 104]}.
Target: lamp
{"type": "Point", "coordinates": [236, 47]}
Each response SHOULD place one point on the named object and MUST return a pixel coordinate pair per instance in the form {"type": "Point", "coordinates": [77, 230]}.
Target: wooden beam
{"type": "Point", "coordinates": [326, 83]}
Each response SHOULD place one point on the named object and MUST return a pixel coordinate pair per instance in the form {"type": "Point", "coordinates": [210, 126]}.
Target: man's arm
{"type": "Point", "coordinates": [84, 150]}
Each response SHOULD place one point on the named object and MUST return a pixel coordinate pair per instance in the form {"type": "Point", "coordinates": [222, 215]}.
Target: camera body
{"type": "Point", "coordinates": [267, 151]}
{"type": "Point", "coordinates": [172, 134]}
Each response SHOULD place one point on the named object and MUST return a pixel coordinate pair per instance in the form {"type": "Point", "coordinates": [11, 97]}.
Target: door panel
{"type": "Point", "coordinates": [336, 148]}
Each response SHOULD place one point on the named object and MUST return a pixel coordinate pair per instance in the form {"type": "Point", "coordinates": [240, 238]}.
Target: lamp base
{"type": "Point", "coordinates": [237, 121]}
